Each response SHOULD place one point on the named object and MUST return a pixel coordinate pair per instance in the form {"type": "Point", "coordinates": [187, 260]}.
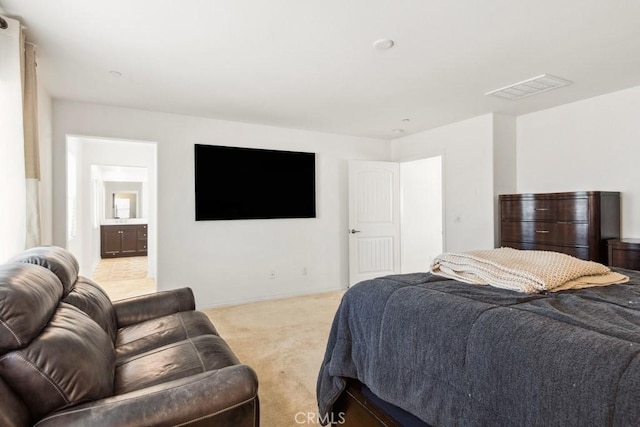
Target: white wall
{"type": "Point", "coordinates": [70, 196]}
{"type": "Point", "coordinates": [228, 261]}
{"type": "Point", "coordinates": [504, 164]}
{"type": "Point", "coordinates": [12, 190]}
{"type": "Point", "coordinates": [588, 145]}
{"type": "Point", "coordinates": [467, 151]}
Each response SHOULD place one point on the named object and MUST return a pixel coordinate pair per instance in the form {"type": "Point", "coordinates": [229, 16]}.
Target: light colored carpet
{"type": "Point", "coordinates": [284, 342]}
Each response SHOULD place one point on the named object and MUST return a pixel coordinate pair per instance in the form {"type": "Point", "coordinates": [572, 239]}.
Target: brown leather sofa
{"type": "Point", "coordinates": [71, 357]}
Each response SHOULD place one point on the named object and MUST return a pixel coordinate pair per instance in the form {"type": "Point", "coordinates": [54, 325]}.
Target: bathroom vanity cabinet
{"type": "Point", "coordinates": [123, 240]}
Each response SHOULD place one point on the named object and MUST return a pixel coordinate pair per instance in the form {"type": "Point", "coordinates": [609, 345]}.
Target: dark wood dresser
{"type": "Point", "coordinates": [625, 253]}
{"type": "Point", "coordinates": [576, 223]}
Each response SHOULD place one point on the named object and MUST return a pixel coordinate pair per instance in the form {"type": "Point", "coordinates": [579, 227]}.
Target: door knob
{"type": "Point", "coordinates": [354, 231]}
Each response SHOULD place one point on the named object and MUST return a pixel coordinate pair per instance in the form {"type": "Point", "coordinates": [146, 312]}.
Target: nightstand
{"type": "Point", "coordinates": [624, 253]}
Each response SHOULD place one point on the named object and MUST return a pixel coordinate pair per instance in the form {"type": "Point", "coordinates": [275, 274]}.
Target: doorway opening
{"type": "Point", "coordinates": [112, 212]}
{"type": "Point", "coordinates": [395, 217]}
{"type": "Point", "coordinates": [421, 205]}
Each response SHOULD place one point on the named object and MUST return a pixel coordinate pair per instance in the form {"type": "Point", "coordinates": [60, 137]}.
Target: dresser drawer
{"type": "Point", "coordinates": [578, 252]}
{"type": "Point", "coordinates": [545, 210]}
{"type": "Point", "coordinates": [546, 232]}
{"type": "Point", "coordinates": [578, 223]}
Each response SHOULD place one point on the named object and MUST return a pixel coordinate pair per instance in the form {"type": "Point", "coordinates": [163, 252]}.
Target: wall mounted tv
{"type": "Point", "coordinates": [248, 183]}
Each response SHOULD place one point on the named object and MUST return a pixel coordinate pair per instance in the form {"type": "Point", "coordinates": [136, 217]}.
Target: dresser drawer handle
{"type": "Point", "coordinates": [541, 209]}
{"type": "Point", "coordinates": [542, 231]}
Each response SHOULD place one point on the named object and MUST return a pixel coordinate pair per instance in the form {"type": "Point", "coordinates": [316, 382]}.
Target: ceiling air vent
{"type": "Point", "coordinates": [530, 87]}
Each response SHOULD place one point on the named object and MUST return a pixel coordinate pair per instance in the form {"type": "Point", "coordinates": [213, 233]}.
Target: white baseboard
{"type": "Point", "coordinates": [205, 305]}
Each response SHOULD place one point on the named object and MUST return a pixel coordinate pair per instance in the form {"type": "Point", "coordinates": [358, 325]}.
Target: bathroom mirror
{"type": "Point", "coordinates": [123, 200]}
{"type": "Point", "coordinates": [125, 205]}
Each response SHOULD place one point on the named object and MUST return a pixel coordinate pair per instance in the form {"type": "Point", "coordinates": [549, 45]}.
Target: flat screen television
{"type": "Point", "coordinates": [248, 183]}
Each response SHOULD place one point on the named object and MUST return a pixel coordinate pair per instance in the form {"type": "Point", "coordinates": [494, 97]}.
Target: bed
{"type": "Point", "coordinates": [452, 354]}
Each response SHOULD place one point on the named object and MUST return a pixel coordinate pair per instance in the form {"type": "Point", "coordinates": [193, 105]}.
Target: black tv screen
{"type": "Point", "coordinates": [248, 183]}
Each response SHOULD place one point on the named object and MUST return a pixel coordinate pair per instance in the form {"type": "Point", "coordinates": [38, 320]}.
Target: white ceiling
{"type": "Point", "coordinates": [310, 64]}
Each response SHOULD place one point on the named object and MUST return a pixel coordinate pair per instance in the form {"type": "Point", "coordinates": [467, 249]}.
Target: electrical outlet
{"type": "Point", "coordinates": [273, 274]}
{"type": "Point", "coordinates": [304, 271]}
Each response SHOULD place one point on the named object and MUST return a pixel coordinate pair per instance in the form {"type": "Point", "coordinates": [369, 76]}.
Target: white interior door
{"type": "Point", "coordinates": [374, 219]}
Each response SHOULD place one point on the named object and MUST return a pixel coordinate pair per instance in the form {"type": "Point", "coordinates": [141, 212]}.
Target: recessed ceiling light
{"type": "Point", "coordinates": [383, 44]}
{"type": "Point", "coordinates": [398, 131]}
{"type": "Point", "coordinates": [533, 86]}
{"type": "Point", "coordinates": [406, 119]}
{"type": "Point", "coordinates": [115, 74]}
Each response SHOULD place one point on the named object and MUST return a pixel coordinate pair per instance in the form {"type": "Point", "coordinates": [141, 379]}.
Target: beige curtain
{"type": "Point", "coordinates": [31, 151]}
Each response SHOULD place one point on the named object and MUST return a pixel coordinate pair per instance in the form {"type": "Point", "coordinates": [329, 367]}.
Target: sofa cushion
{"type": "Point", "coordinates": [225, 397]}
{"type": "Point", "coordinates": [141, 308]}
{"type": "Point", "coordinates": [29, 295]}
{"type": "Point", "coordinates": [13, 411]}
{"type": "Point", "coordinates": [95, 303]}
{"type": "Point", "coordinates": [171, 362]}
{"type": "Point", "coordinates": [58, 260]}
{"type": "Point", "coordinates": [154, 333]}
{"type": "Point", "coordinates": [70, 361]}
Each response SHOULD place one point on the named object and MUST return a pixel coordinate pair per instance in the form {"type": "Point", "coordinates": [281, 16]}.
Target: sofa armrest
{"type": "Point", "coordinates": [150, 306]}
{"type": "Point", "coordinates": [224, 397]}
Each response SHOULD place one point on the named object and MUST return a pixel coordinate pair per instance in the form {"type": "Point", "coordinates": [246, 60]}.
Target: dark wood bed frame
{"type": "Point", "coordinates": [354, 409]}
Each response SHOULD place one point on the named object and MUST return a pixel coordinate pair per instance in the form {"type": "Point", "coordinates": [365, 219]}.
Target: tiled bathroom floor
{"type": "Point", "coordinates": [124, 277]}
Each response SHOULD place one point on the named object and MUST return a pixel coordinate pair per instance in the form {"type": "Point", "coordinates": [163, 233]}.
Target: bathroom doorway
{"type": "Point", "coordinates": [115, 244]}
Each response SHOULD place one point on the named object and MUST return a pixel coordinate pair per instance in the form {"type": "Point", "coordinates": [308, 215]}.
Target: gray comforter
{"type": "Point", "coordinates": [455, 354]}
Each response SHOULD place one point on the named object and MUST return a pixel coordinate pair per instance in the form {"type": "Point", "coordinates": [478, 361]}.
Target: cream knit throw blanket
{"type": "Point", "coordinates": [524, 271]}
